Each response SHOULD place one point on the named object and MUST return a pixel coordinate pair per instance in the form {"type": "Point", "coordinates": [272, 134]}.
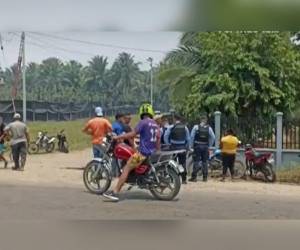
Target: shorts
{"type": "Point", "coordinates": [136, 160]}
{"type": "Point", "coordinates": [2, 148]}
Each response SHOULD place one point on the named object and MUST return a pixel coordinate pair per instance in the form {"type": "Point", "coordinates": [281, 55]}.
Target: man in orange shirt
{"type": "Point", "coordinates": [98, 128]}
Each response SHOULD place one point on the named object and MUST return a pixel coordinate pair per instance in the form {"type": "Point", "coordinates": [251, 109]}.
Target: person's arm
{"type": "Point", "coordinates": [127, 136]}
{"type": "Point", "coordinates": [86, 128]}
{"type": "Point", "coordinates": [167, 135]}
{"type": "Point", "coordinates": [192, 140]}
{"type": "Point", "coordinates": [187, 137]}
{"type": "Point", "coordinates": [158, 140]}
{"type": "Point", "coordinates": [212, 137]}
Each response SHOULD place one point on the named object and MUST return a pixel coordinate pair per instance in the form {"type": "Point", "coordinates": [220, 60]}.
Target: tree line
{"type": "Point", "coordinates": [124, 83]}
{"type": "Point", "coordinates": [241, 74]}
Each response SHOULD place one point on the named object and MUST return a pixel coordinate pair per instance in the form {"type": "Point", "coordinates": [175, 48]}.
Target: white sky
{"type": "Point", "coordinates": [129, 23]}
{"type": "Point", "coordinates": [40, 47]}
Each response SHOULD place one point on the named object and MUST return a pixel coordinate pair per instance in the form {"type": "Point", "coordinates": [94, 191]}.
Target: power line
{"type": "Point", "coordinates": [97, 44]}
{"type": "Point", "coordinates": [53, 47]}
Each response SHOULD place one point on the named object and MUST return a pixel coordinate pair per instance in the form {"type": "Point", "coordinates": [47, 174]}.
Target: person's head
{"type": "Point", "coordinates": [164, 121]}
{"type": "Point", "coordinates": [203, 119]}
{"type": "Point", "coordinates": [17, 117]}
{"type": "Point", "coordinates": [119, 117]}
{"type": "Point", "coordinates": [230, 132]}
{"type": "Point", "coordinates": [158, 119]}
{"type": "Point", "coordinates": [178, 118]}
{"type": "Point", "coordinates": [146, 110]}
{"type": "Point", "coordinates": [127, 118]}
{"type": "Point", "coordinates": [99, 112]}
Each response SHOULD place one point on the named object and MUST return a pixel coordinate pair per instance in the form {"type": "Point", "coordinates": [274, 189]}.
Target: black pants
{"type": "Point", "coordinates": [201, 155]}
{"type": "Point", "coordinates": [181, 159]}
{"type": "Point", "coordinates": [17, 150]}
{"type": "Point", "coordinates": [228, 163]}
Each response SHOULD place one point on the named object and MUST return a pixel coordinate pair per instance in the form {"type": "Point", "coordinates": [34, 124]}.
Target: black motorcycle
{"type": "Point", "coordinates": [62, 143]}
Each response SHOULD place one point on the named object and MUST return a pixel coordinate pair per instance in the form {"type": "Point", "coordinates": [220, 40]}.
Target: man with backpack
{"type": "Point", "coordinates": [178, 137]}
{"type": "Point", "coordinates": [202, 137]}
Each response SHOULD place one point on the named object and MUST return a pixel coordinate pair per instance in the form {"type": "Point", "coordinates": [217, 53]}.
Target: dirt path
{"type": "Point", "coordinates": [52, 187]}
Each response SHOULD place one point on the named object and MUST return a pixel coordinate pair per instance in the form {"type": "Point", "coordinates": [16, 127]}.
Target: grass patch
{"type": "Point", "coordinates": [77, 140]}
{"type": "Point", "coordinates": [291, 175]}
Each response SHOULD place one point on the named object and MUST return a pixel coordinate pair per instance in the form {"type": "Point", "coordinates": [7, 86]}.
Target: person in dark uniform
{"type": "Point", "coordinates": [202, 137]}
{"type": "Point", "coordinates": [178, 137]}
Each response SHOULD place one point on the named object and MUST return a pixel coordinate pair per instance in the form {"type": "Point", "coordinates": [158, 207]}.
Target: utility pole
{"type": "Point", "coordinates": [150, 60]}
{"type": "Point", "coordinates": [24, 79]}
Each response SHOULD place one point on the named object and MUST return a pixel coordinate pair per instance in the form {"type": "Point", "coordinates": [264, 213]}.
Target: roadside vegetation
{"type": "Point", "coordinates": [289, 175]}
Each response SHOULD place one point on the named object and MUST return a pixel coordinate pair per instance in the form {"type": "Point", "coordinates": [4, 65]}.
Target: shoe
{"type": "Point", "coordinates": [184, 182]}
{"type": "Point", "coordinates": [204, 179]}
{"type": "Point", "coordinates": [193, 179]}
{"type": "Point", "coordinates": [223, 179]}
{"type": "Point", "coordinates": [5, 164]}
{"type": "Point", "coordinates": [111, 196]}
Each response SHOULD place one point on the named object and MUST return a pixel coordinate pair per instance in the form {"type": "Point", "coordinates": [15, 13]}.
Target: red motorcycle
{"type": "Point", "coordinates": [160, 173]}
{"type": "Point", "coordinates": [259, 163]}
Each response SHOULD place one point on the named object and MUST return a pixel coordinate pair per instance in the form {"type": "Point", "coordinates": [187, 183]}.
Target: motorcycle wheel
{"type": "Point", "coordinates": [63, 147]}
{"type": "Point", "coordinates": [92, 179]}
{"type": "Point", "coordinates": [269, 173]}
{"type": "Point", "coordinates": [167, 177]}
{"type": "Point", "coordinates": [239, 169]}
{"type": "Point", "coordinates": [33, 148]}
{"type": "Point", "coordinates": [50, 147]}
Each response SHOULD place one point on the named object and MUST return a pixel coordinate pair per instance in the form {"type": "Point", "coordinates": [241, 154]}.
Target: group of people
{"type": "Point", "coordinates": [17, 133]}
{"type": "Point", "coordinates": [156, 133]}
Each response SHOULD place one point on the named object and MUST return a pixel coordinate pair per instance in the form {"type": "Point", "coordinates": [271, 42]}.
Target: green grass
{"type": "Point", "coordinates": [77, 140]}
{"type": "Point", "coordinates": [290, 175]}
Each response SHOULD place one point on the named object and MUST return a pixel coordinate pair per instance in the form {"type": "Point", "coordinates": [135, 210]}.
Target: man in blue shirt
{"type": "Point", "coordinates": [178, 137]}
{"type": "Point", "coordinates": [118, 124]}
{"type": "Point", "coordinates": [202, 137]}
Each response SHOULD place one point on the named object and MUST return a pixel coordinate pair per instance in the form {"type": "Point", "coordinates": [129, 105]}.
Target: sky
{"type": "Point", "coordinates": [141, 24]}
{"type": "Point", "coordinates": [39, 46]}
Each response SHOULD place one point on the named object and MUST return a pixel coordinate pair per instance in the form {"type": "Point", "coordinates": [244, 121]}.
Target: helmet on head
{"type": "Point", "coordinates": [146, 109]}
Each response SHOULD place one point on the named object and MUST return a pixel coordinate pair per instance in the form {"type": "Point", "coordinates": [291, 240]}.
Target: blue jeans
{"type": "Point", "coordinates": [201, 154]}
{"type": "Point", "coordinates": [97, 151]}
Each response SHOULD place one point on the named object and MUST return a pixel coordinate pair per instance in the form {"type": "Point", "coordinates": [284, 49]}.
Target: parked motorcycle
{"type": "Point", "coordinates": [160, 174]}
{"type": "Point", "coordinates": [62, 143]}
{"type": "Point", "coordinates": [42, 142]}
{"type": "Point", "coordinates": [215, 164]}
{"type": "Point", "coordinates": [259, 163]}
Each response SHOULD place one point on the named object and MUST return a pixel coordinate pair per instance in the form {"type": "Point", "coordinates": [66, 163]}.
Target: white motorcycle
{"type": "Point", "coordinates": [42, 142]}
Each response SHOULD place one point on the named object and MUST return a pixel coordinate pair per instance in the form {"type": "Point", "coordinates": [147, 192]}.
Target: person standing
{"type": "Point", "coordinates": [178, 137]}
{"type": "Point", "coordinates": [229, 144]}
{"type": "Point", "coordinates": [202, 137]}
{"type": "Point", "coordinates": [2, 158]}
{"type": "Point", "coordinates": [19, 137]}
{"type": "Point", "coordinates": [98, 128]}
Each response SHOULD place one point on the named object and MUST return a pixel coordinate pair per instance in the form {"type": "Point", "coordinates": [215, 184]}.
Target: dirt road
{"type": "Point", "coordinates": [52, 188]}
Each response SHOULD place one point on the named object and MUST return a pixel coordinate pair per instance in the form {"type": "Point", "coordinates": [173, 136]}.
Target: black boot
{"type": "Point", "coordinates": [193, 178]}
{"type": "Point", "coordinates": [204, 178]}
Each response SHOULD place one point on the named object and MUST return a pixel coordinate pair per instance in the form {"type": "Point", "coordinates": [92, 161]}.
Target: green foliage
{"type": "Point", "coordinates": [124, 83]}
{"type": "Point", "coordinates": [250, 74]}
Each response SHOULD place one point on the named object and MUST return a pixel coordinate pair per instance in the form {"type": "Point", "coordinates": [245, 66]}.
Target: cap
{"type": "Point", "coordinates": [157, 117]}
{"type": "Point", "coordinates": [99, 111]}
{"type": "Point", "coordinates": [17, 116]}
